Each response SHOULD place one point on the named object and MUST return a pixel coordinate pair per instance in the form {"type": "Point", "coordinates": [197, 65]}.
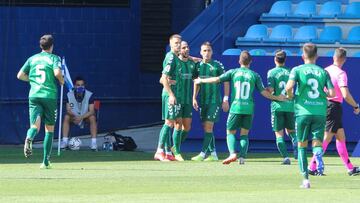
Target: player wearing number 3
{"type": "Point", "coordinates": [310, 107]}
{"type": "Point", "coordinates": [41, 71]}
{"type": "Point", "coordinates": [244, 81]}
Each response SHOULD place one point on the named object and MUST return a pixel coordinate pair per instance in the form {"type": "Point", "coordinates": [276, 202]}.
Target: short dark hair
{"type": "Point", "coordinates": [245, 58]}
{"type": "Point", "coordinates": [46, 41]}
{"type": "Point", "coordinates": [280, 56]}
{"type": "Point", "coordinates": [340, 53]}
{"type": "Point", "coordinates": [206, 44]}
{"type": "Point", "coordinates": [310, 50]}
{"type": "Point", "coordinates": [78, 78]}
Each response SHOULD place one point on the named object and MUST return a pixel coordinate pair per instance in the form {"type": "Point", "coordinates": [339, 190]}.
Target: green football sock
{"type": "Point", "coordinates": [168, 140]}
{"type": "Point", "coordinates": [31, 133]}
{"type": "Point", "coordinates": [244, 145]}
{"type": "Point", "coordinates": [165, 130]}
{"type": "Point", "coordinates": [184, 135]}
{"type": "Point", "coordinates": [212, 144]}
{"type": "Point", "coordinates": [48, 140]}
{"type": "Point", "coordinates": [303, 163]}
{"type": "Point", "coordinates": [281, 147]}
{"type": "Point", "coordinates": [206, 141]}
{"type": "Point", "coordinates": [177, 141]}
{"type": "Point", "coordinates": [231, 141]}
{"type": "Point", "coordinates": [293, 137]}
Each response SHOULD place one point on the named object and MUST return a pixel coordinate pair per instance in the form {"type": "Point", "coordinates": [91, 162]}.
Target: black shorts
{"type": "Point", "coordinates": [333, 116]}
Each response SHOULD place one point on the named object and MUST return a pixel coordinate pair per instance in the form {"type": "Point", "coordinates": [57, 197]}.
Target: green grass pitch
{"type": "Point", "coordinates": [86, 176]}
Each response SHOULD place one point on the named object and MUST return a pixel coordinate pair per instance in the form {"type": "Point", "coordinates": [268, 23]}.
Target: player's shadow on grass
{"type": "Point", "coordinates": [15, 155]}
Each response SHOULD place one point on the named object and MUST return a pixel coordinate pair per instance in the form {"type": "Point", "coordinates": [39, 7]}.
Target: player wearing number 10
{"type": "Point", "coordinates": [244, 81]}
{"type": "Point", "coordinates": [41, 71]}
{"type": "Point", "coordinates": [310, 107]}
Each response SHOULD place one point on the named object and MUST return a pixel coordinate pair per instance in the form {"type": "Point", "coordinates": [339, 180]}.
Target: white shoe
{"type": "Point", "coordinates": [305, 184]}
{"type": "Point", "coordinates": [241, 161]}
{"type": "Point", "coordinates": [93, 147]}
{"type": "Point", "coordinates": [63, 145]}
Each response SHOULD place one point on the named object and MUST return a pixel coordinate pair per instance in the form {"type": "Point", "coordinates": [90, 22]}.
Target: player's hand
{"type": "Point", "coordinates": [197, 81]}
{"type": "Point", "coordinates": [172, 100]}
{"type": "Point", "coordinates": [282, 97]}
{"type": "Point", "coordinates": [195, 105]}
{"type": "Point", "coordinates": [172, 82]}
{"type": "Point", "coordinates": [225, 106]}
{"type": "Point", "coordinates": [357, 111]}
{"type": "Point", "coordinates": [77, 120]}
{"type": "Point", "coordinates": [195, 59]}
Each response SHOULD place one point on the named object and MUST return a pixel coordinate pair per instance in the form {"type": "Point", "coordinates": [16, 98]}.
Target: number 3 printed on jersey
{"type": "Point", "coordinates": [39, 70]}
{"type": "Point", "coordinates": [314, 92]}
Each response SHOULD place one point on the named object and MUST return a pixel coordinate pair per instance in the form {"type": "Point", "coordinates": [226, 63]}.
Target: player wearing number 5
{"type": "Point", "coordinates": [310, 107]}
{"type": "Point", "coordinates": [244, 81]}
{"type": "Point", "coordinates": [41, 71]}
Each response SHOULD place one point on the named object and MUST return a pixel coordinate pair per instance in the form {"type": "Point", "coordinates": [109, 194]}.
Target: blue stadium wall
{"type": "Point", "coordinates": [101, 44]}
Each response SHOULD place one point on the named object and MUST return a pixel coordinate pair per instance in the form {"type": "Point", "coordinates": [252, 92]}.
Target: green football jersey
{"type": "Point", "coordinates": [170, 64]}
{"type": "Point", "coordinates": [244, 81]}
{"type": "Point", "coordinates": [187, 71]}
{"type": "Point", "coordinates": [210, 93]}
{"type": "Point", "coordinates": [310, 97]}
{"type": "Point", "coordinates": [40, 69]}
{"type": "Point", "coordinates": [277, 79]}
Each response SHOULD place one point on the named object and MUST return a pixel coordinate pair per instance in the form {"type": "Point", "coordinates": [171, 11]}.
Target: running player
{"type": "Point", "coordinates": [170, 106]}
{"type": "Point", "coordinates": [282, 113]}
{"type": "Point", "coordinates": [184, 83]}
{"type": "Point", "coordinates": [41, 71]}
{"type": "Point", "coordinates": [244, 81]}
{"type": "Point", "coordinates": [334, 124]}
{"type": "Point", "coordinates": [210, 101]}
{"type": "Point", "coordinates": [310, 107]}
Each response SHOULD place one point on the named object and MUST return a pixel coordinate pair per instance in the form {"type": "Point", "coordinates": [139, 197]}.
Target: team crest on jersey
{"type": "Point", "coordinates": [167, 68]}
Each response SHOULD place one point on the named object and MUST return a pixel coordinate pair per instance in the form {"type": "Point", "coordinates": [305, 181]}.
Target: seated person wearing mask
{"type": "Point", "coordinates": [79, 109]}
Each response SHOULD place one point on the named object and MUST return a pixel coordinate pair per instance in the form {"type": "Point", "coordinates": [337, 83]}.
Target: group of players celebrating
{"type": "Point", "coordinates": [314, 110]}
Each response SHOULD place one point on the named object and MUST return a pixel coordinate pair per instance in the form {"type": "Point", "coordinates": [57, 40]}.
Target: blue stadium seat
{"type": "Point", "coordinates": [305, 33]}
{"type": "Point", "coordinates": [288, 53]}
{"type": "Point", "coordinates": [329, 35]}
{"type": "Point", "coordinates": [280, 33]}
{"type": "Point", "coordinates": [305, 9]}
{"type": "Point", "coordinates": [255, 33]}
{"type": "Point", "coordinates": [352, 11]}
{"type": "Point", "coordinates": [232, 52]}
{"type": "Point", "coordinates": [357, 54]}
{"type": "Point", "coordinates": [279, 9]}
{"type": "Point", "coordinates": [330, 53]}
{"type": "Point", "coordinates": [353, 36]}
{"type": "Point", "coordinates": [330, 9]}
{"type": "Point", "coordinates": [257, 52]}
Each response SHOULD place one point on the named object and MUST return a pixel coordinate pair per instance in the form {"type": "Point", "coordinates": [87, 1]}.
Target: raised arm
{"type": "Point", "coordinates": [207, 80]}
{"type": "Point", "coordinates": [270, 96]}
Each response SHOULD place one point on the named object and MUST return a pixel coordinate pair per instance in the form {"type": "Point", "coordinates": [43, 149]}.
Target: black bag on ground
{"type": "Point", "coordinates": [123, 143]}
